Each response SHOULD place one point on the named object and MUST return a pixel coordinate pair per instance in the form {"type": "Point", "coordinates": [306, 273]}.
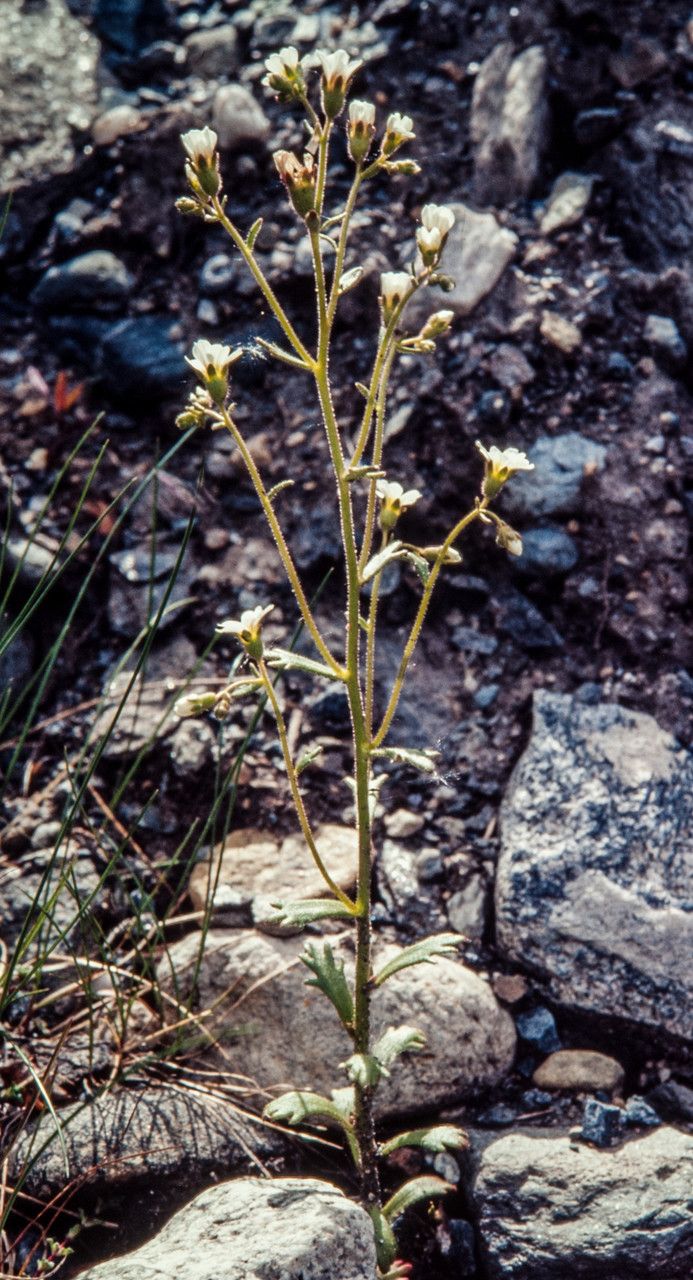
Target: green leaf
{"type": "Point", "coordinates": [343, 1100]}
{"type": "Point", "coordinates": [300, 914]}
{"type": "Point", "coordinates": [286, 357]}
{"type": "Point", "coordinates": [377, 562]}
{"type": "Point", "coordinates": [360, 386]}
{"type": "Point", "coordinates": [423, 1188]}
{"type": "Point", "coordinates": [398, 1040]}
{"type": "Point", "coordinates": [364, 1069]}
{"type": "Point", "coordinates": [297, 1108]}
{"type": "Point", "coordinates": [422, 567]}
{"type": "Point", "coordinates": [349, 279]}
{"type": "Point", "coordinates": [440, 1137]}
{"type": "Point", "coordinates": [423, 760]}
{"type": "Point", "coordinates": [286, 660]}
{"type": "Point", "coordinates": [310, 755]}
{"type": "Point", "coordinates": [385, 1243]}
{"type": "Point", "coordinates": [253, 233]}
{"type": "Point", "coordinates": [278, 488]}
{"type": "Point", "coordinates": [330, 979]}
{"type": "Point", "coordinates": [364, 473]}
{"type": "Point", "coordinates": [442, 944]}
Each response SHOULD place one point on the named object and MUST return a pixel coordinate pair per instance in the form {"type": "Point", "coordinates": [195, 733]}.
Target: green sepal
{"type": "Point", "coordinates": [253, 233]}
{"type": "Point", "coordinates": [364, 1069]}
{"type": "Point", "coordinates": [442, 944]}
{"type": "Point", "coordinates": [330, 979]}
{"type": "Point", "coordinates": [278, 488]}
{"type": "Point", "coordinates": [385, 1243]}
{"type": "Point", "coordinates": [396, 1041]}
{"type": "Point", "coordinates": [310, 755]}
{"type": "Point", "coordinates": [285, 660]}
{"type": "Point", "coordinates": [439, 1137]}
{"type": "Point", "coordinates": [297, 1107]}
{"type": "Point", "coordinates": [418, 759]}
{"type": "Point", "coordinates": [377, 562]}
{"type": "Point", "coordinates": [423, 1188]}
{"type": "Point", "coordinates": [300, 914]}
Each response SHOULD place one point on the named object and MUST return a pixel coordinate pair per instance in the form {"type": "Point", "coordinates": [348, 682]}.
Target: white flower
{"type": "Point", "coordinates": [336, 67]}
{"type": "Point", "coordinates": [394, 285]}
{"type": "Point", "coordinates": [393, 501]}
{"type": "Point", "coordinates": [437, 217]}
{"type": "Point", "coordinates": [500, 465]}
{"type": "Point", "coordinates": [398, 129]}
{"type": "Point", "coordinates": [200, 145]}
{"type": "Point", "coordinates": [361, 113]}
{"type": "Point", "coordinates": [284, 73]}
{"type": "Point", "coordinates": [430, 243]}
{"type": "Point", "coordinates": [247, 628]}
{"type": "Point", "coordinates": [211, 362]}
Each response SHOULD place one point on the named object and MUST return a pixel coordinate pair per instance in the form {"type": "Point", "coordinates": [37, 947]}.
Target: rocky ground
{"type": "Point", "coordinates": [558, 688]}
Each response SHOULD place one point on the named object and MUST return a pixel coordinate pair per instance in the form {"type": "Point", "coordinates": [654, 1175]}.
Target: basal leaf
{"type": "Point", "coordinates": [439, 1137]}
{"type": "Point", "coordinates": [398, 1040]}
{"type": "Point", "coordinates": [330, 979]}
{"type": "Point", "coordinates": [305, 912]}
{"type": "Point", "coordinates": [423, 1188]}
{"type": "Point", "coordinates": [442, 944]}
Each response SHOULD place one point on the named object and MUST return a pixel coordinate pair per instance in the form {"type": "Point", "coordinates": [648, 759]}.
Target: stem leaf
{"type": "Point", "coordinates": [385, 1243]}
{"type": "Point", "coordinates": [442, 944]}
{"type": "Point", "coordinates": [349, 280]}
{"type": "Point", "coordinates": [278, 488]}
{"type": "Point", "coordinates": [419, 759]}
{"type": "Point", "coordinates": [378, 561]}
{"type": "Point", "coordinates": [439, 1137]}
{"type": "Point", "coordinates": [300, 914]}
{"type": "Point", "coordinates": [309, 757]}
{"type": "Point", "coordinates": [297, 1107]}
{"type": "Point", "coordinates": [423, 1188]}
{"type": "Point", "coordinates": [280, 354]}
{"type": "Point", "coordinates": [286, 660]}
{"type": "Point", "coordinates": [398, 1040]}
{"type": "Point", "coordinates": [330, 979]}
{"type": "Point", "coordinates": [253, 233]}
{"type": "Point", "coordinates": [364, 1069]}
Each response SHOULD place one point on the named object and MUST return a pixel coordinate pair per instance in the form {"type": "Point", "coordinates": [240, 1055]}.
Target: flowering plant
{"type": "Point", "coordinates": [370, 503]}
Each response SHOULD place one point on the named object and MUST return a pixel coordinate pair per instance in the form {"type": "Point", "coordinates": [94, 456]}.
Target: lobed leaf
{"type": "Point", "coordinates": [330, 979]}
{"type": "Point", "coordinates": [364, 1069]}
{"type": "Point", "coordinates": [396, 1041]}
{"type": "Point", "coordinates": [439, 1137]}
{"type": "Point", "coordinates": [385, 1243]}
{"type": "Point", "coordinates": [423, 1188]}
{"type": "Point", "coordinates": [297, 1107]}
{"type": "Point", "coordinates": [302, 913]}
{"type": "Point", "coordinates": [442, 944]}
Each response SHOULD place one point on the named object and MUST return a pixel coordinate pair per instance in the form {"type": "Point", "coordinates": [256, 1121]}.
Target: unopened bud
{"type": "Point", "coordinates": [300, 180]}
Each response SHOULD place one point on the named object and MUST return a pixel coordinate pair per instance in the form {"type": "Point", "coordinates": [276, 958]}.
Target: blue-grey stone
{"type": "Point", "coordinates": [140, 359]}
{"type": "Point", "coordinates": [94, 281]}
{"type": "Point", "coordinates": [547, 550]}
{"type": "Point", "coordinates": [553, 487]}
{"type": "Point", "coordinates": [526, 625]}
{"type": "Point", "coordinates": [537, 1027]}
{"type": "Point", "coordinates": [663, 336]}
{"type": "Point", "coordinates": [471, 641]}
{"type": "Point", "coordinates": [485, 696]}
{"type": "Point", "coordinates": [639, 1112]}
{"type": "Point", "coordinates": [601, 1122]}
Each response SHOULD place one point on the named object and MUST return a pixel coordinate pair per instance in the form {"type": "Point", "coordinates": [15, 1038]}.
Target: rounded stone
{"type": "Point", "coordinates": [579, 1069]}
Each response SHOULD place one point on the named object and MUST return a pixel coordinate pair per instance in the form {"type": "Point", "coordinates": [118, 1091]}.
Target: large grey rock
{"type": "Point", "coordinates": [128, 1135]}
{"type": "Point", "coordinates": [508, 123]}
{"type": "Point", "coordinates": [97, 281]}
{"type": "Point", "coordinates": [595, 877]}
{"type": "Point", "coordinates": [289, 1035]}
{"type": "Point", "coordinates": [476, 254]}
{"type": "Point", "coordinates": [548, 1210]}
{"type": "Point", "coordinates": [252, 1229]}
{"type": "Point", "coordinates": [48, 64]}
{"type": "Point", "coordinates": [213, 52]}
{"type": "Point", "coordinates": [553, 488]}
{"type": "Point", "coordinates": [238, 118]}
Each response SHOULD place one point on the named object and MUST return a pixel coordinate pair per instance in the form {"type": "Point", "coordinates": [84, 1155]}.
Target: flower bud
{"type": "Point", "coordinates": [202, 166]}
{"type": "Point", "coordinates": [360, 129]}
{"type": "Point", "coordinates": [299, 179]}
{"type": "Point", "coordinates": [398, 130]}
{"type": "Point", "coordinates": [508, 538]}
{"type": "Point", "coordinates": [437, 324]}
{"type": "Point", "coordinates": [285, 74]}
{"type": "Point", "coordinates": [337, 73]}
{"type": "Point", "coordinates": [394, 286]}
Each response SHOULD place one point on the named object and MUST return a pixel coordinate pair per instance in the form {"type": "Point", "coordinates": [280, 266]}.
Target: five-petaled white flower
{"type": "Point", "coordinates": [247, 628]}
{"type": "Point", "coordinates": [360, 129]}
{"type": "Point", "coordinates": [500, 465]}
{"type": "Point", "coordinates": [437, 217]}
{"type": "Point", "coordinates": [211, 362]}
{"type": "Point", "coordinates": [200, 145]}
{"type": "Point", "coordinates": [361, 112]}
{"type": "Point", "coordinates": [394, 285]}
{"type": "Point", "coordinates": [284, 73]}
{"type": "Point", "coordinates": [394, 499]}
{"type": "Point", "coordinates": [399, 129]}
{"type": "Point", "coordinates": [338, 70]}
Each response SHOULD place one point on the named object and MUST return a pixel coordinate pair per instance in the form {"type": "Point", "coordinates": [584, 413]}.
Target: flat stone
{"type": "Point", "coordinates": [569, 198]}
{"type": "Point", "coordinates": [508, 123]}
{"type": "Point", "coordinates": [126, 1135]}
{"type": "Point", "coordinates": [553, 488]}
{"type": "Point", "coordinates": [593, 886]}
{"type": "Point", "coordinates": [520, 619]}
{"type": "Point", "coordinates": [238, 118]}
{"type": "Point", "coordinates": [476, 254]}
{"type": "Point", "coordinates": [662, 334]}
{"type": "Point", "coordinates": [548, 1209]}
{"type": "Point", "coordinates": [253, 863]}
{"type": "Point", "coordinates": [290, 1035]}
{"type": "Point", "coordinates": [48, 64]}
{"type": "Point", "coordinates": [256, 1229]}
{"type": "Point", "coordinates": [468, 907]}
{"type": "Point", "coordinates": [583, 1070]}
{"type": "Point", "coordinates": [145, 719]}
{"type": "Point", "coordinates": [96, 281]}
{"type": "Point", "coordinates": [402, 823]}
